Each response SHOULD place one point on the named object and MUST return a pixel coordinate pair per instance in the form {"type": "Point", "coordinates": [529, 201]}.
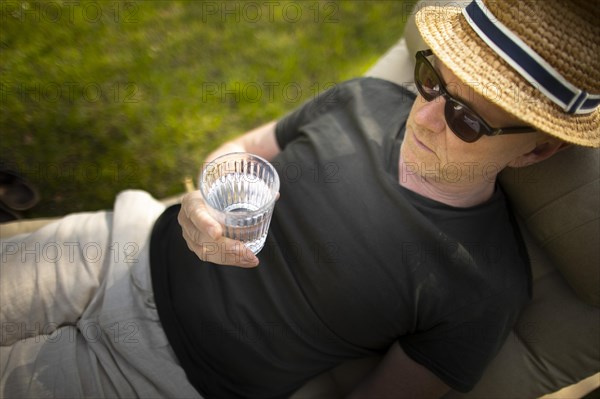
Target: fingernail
{"type": "Point", "coordinates": [251, 260]}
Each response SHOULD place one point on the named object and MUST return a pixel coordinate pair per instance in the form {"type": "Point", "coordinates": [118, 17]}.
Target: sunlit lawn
{"type": "Point", "coordinates": [102, 96]}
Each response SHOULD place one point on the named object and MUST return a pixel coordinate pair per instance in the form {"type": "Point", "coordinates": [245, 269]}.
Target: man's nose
{"type": "Point", "coordinates": [430, 115]}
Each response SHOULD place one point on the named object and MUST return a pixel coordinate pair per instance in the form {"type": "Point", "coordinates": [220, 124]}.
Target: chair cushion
{"type": "Point", "coordinates": [559, 202]}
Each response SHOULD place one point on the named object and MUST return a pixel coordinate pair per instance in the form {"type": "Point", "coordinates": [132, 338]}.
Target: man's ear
{"type": "Point", "coordinates": [543, 150]}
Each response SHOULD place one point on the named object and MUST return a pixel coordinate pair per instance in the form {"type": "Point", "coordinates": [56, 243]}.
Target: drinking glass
{"type": "Point", "coordinates": [240, 190]}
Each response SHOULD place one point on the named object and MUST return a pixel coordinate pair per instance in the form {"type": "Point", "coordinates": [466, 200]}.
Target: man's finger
{"type": "Point", "coordinates": [224, 251]}
{"type": "Point", "coordinates": [235, 253]}
{"type": "Point", "coordinates": [195, 209]}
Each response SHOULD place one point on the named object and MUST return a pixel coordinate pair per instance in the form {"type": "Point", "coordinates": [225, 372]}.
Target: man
{"type": "Point", "coordinates": [445, 155]}
{"type": "Point", "coordinates": [390, 236]}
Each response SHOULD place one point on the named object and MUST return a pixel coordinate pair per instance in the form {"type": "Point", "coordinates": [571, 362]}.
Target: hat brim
{"type": "Point", "coordinates": [455, 43]}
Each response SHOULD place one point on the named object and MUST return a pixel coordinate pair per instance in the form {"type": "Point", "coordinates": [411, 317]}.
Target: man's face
{"type": "Point", "coordinates": [431, 150]}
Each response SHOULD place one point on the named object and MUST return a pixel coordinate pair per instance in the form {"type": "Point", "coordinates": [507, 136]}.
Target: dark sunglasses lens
{"type": "Point", "coordinates": [463, 122]}
{"type": "Point", "coordinates": [427, 80]}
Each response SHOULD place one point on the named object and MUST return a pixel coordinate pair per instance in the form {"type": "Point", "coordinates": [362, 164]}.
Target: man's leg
{"type": "Point", "coordinates": [48, 277]}
{"type": "Point", "coordinates": [113, 351]}
{"type": "Point", "coordinates": [56, 365]}
{"type": "Point", "coordinates": [109, 341]}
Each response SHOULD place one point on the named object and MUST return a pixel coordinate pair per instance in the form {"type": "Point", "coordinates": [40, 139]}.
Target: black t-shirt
{"type": "Point", "coordinates": [353, 263]}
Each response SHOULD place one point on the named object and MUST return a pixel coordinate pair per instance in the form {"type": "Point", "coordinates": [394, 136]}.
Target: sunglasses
{"type": "Point", "coordinates": [464, 122]}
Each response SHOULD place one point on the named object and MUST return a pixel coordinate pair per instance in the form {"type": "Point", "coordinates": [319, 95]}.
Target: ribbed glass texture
{"type": "Point", "coordinates": [240, 191]}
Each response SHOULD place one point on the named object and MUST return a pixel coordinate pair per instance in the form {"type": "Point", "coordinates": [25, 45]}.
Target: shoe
{"type": "Point", "coordinates": [15, 192]}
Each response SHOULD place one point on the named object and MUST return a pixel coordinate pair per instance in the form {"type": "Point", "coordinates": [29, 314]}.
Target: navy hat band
{"type": "Point", "coordinates": [527, 62]}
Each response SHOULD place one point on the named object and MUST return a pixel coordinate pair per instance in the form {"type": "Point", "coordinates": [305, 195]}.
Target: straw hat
{"type": "Point", "coordinates": [539, 61]}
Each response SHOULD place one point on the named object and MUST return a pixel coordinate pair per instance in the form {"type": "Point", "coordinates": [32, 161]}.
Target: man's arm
{"type": "Point", "coordinates": [398, 376]}
{"type": "Point", "coordinates": [260, 141]}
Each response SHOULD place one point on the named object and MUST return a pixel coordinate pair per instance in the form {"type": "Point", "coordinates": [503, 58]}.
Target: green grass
{"type": "Point", "coordinates": [98, 97]}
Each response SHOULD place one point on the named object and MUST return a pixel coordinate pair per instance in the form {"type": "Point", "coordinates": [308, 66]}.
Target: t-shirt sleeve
{"type": "Point", "coordinates": [289, 127]}
{"type": "Point", "coordinates": [460, 345]}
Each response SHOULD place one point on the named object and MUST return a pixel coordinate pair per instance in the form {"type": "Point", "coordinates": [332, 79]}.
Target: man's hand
{"type": "Point", "coordinates": [204, 235]}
